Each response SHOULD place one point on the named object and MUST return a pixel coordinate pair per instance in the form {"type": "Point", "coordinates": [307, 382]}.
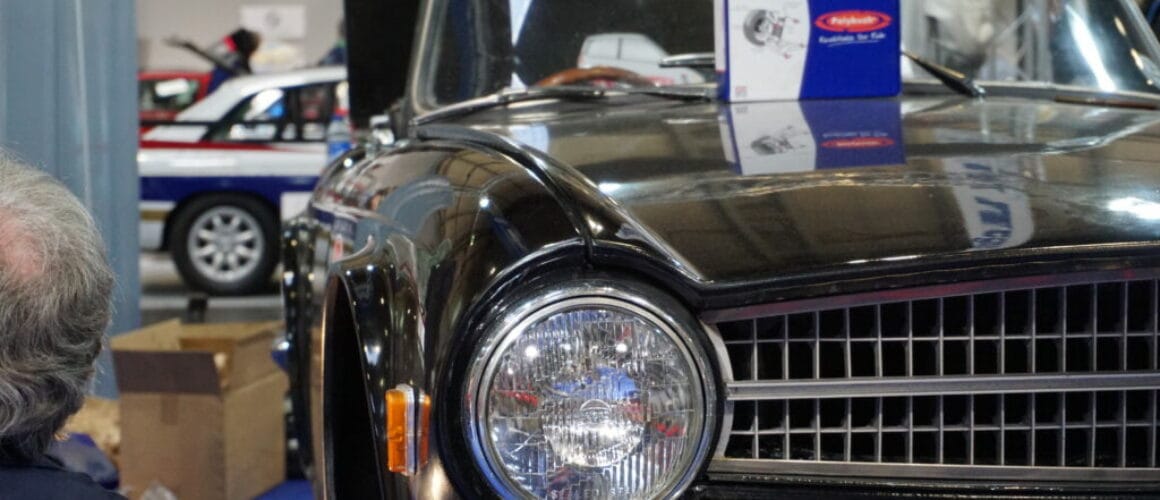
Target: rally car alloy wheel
{"type": "Point", "coordinates": [223, 244]}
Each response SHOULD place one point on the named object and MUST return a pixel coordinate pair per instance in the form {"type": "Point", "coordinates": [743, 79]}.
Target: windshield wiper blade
{"type": "Point", "coordinates": [508, 96]}
{"type": "Point", "coordinates": [954, 80]}
{"type": "Point", "coordinates": [689, 60]}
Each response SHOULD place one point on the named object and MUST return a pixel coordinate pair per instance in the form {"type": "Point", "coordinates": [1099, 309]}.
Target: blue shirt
{"type": "Point", "coordinates": [46, 479]}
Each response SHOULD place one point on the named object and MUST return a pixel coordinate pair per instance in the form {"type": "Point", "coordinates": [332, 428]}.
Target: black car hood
{"type": "Point", "coordinates": [760, 191]}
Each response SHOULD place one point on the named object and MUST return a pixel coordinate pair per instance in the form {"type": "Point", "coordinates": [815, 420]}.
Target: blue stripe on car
{"type": "Point", "coordinates": [176, 189]}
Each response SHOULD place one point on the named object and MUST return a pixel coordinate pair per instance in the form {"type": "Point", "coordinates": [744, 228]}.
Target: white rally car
{"type": "Point", "coordinates": [216, 183]}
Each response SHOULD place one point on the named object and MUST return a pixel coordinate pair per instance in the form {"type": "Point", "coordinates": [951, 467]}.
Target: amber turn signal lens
{"type": "Point", "coordinates": [403, 434]}
{"type": "Point", "coordinates": [397, 429]}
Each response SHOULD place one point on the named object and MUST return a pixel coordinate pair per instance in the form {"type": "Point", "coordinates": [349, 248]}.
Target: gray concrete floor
{"type": "Point", "coordinates": [163, 296]}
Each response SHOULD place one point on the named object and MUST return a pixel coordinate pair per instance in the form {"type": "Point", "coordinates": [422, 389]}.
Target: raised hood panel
{"type": "Point", "coordinates": [764, 191]}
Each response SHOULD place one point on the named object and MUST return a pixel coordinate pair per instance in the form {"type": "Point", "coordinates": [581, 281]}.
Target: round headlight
{"type": "Point", "coordinates": [591, 397]}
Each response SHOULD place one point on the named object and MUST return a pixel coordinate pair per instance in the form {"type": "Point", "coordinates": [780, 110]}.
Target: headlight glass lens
{"type": "Point", "coordinates": [592, 402]}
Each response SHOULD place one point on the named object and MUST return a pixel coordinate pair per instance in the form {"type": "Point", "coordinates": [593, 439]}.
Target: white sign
{"type": "Point", "coordinates": [282, 22]}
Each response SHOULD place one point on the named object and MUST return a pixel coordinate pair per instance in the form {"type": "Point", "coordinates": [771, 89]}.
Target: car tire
{"type": "Point", "coordinates": [225, 244]}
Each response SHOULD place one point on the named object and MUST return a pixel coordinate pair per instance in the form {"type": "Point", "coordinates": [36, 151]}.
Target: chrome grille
{"type": "Point", "coordinates": [1035, 377]}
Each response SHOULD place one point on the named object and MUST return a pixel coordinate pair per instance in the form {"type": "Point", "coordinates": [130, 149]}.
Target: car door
{"type": "Point", "coordinates": [279, 136]}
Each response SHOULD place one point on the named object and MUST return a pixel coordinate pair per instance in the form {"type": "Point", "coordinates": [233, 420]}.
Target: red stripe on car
{"type": "Point", "coordinates": [206, 145]}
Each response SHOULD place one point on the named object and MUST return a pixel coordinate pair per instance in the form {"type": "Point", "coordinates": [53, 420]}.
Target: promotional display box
{"type": "Point", "coordinates": [803, 49]}
{"type": "Point", "coordinates": [202, 410]}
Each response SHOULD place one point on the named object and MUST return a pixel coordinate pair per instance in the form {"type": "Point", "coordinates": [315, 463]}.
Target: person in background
{"type": "Point", "coordinates": [55, 289]}
{"type": "Point", "coordinates": [234, 52]}
{"type": "Point", "coordinates": [230, 56]}
{"type": "Point", "coordinates": [337, 54]}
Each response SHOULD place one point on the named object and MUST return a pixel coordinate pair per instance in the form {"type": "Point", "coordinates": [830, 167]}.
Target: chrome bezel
{"type": "Point", "coordinates": [629, 299]}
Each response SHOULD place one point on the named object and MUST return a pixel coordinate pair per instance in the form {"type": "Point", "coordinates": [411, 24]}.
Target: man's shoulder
{"type": "Point", "coordinates": [46, 480]}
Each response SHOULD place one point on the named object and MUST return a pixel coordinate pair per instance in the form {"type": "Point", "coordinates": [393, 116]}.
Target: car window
{"type": "Point", "coordinates": [267, 105]}
{"type": "Point", "coordinates": [173, 94]}
{"type": "Point", "coordinates": [641, 49]}
{"type": "Point", "coordinates": [296, 114]}
{"type": "Point", "coordinates": [483, 46]}
{"type": "Point", "coordinates": [1104, 46]}
{"type": "Point", "coordinates": [602, 47]}
{"type": "Point", "coordinates": [159, 100]}
{"type": "Point", "coordinates": [316, 103]}
{"type": "Point", "coordinates": [260, 117]}
{"type": "Point", "coordinates": [478, 47]}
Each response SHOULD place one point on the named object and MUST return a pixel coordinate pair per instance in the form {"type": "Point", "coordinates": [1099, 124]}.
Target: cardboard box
{"type": "Point", "coordinates": [202, 410]}
{"type": "Point", "coordinates": [100, 419]}
{"type": "Point", "coordinates": [807, 49]}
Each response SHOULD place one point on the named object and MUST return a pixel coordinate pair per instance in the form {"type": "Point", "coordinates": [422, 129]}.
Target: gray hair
{"type": "Point", "coordinates": [55, 292]}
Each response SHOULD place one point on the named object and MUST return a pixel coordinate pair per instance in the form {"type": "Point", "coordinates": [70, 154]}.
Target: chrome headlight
{"type": "Point", "coordinates": [591, 392]}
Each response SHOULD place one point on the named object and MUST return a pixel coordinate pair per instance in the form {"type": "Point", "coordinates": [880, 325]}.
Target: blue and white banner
{"type": "Point", "coordinates": [801, 49]}
{"type": "Point", "coordinates": [995, 209]}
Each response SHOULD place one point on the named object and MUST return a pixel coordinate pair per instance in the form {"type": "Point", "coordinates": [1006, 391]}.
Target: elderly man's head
{"type": "Point", "coordinates": [55, 288]}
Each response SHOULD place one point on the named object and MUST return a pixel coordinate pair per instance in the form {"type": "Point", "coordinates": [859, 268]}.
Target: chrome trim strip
{"type": "Point", "coordinates": [698, 60]}
{"type": "Point", "coordinates": [988, 473]}
{"type": "Point", "coordinates": [724, 373]}
{"type": "Point", "coordinates": [324, 472]}
{"type": "Point", "coordinates": [160, 206]}
{"type": "Point", "coordinates": [938, 386]}
{"type": "Point", "coordinates": [505, 96]}
{"type": "Point", "coordinates": [420, 65]}
{"type": "Point", "coordinates": [927, 292]}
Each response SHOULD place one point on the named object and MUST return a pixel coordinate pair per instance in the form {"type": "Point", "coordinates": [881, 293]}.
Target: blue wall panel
{"type": "Point", "coordinates": [68, 91]}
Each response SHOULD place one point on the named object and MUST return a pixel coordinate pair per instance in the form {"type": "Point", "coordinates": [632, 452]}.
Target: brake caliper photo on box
{"type": "Point", "coordinates": [770, 49]}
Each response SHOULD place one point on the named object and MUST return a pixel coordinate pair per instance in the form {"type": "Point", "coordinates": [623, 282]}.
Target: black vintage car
{"type": "Point", "coordinates": [576, 274]}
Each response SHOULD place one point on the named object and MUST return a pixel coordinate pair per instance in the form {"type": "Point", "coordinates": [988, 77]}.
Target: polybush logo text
{"type": "Point", "coordinates": [853, 21]}
{"type": "Point", "coordinates": [858, 143]}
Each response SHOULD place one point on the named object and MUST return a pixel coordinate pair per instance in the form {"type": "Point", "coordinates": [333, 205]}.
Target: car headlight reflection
{"type": "Point", "coordinates": [592, 397]}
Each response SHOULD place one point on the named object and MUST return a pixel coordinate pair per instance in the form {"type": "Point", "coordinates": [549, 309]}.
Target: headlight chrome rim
{"type": "Point", "coordinates": [639, 300]}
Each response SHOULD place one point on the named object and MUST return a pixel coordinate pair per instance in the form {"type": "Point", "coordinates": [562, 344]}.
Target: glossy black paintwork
{"type": "Point", "coordinates": [414, 238]}
{"type": "Point", "coordinates": [642, 186]}
{"type": "Point", "coordinates": [1062, 165]}
{"type": "Point", "coordinates": [301, 283]}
